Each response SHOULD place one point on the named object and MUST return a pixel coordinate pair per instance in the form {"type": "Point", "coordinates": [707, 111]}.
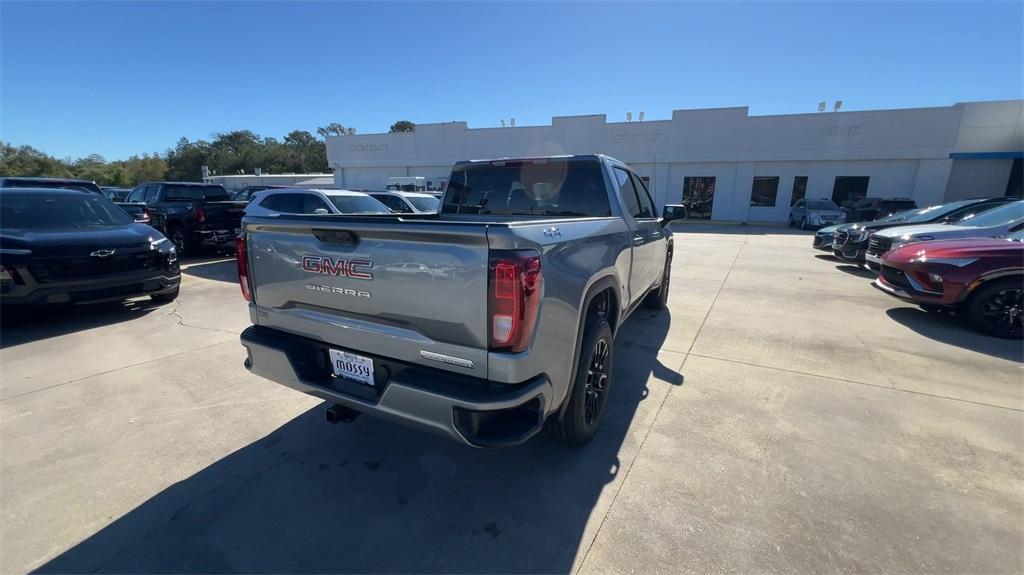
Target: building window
{"type": "Point", "coordinates": [799, 189]}
{"type": "Point", "coordinates": [764, 190]}
{"type": "Point", "coordinates": [849, 190]}
{"type": "Point", "coordinates": [699, 196]}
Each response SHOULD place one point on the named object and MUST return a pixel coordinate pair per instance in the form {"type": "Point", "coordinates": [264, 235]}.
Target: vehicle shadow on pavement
{"type": "Point", "coordinates": [219, 270]}
{"type": "Point", "coordinates": [947, 328]}
{"type": "Point", "coordinates": [18, 327]}
{"type": "Point", "coordinates": [857, 271]}
{"type": "Point", "coordinates": [375, 497]}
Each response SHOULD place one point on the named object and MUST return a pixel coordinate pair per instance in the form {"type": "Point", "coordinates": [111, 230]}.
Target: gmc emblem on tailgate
{"type": "Point", "coordinates": [355, 269]}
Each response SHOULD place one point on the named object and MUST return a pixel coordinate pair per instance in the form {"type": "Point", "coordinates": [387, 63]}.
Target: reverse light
{"type": "Point", "coordinates": [242, 261]}
{"type": "Point", "coordinates": [515, 284]}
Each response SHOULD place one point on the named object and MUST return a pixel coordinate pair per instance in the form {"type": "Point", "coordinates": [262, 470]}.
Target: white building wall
{"type": "Point", "coordinates": [905, 153]}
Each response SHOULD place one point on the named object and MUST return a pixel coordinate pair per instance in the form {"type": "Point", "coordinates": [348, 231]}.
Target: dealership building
{"type": "Point", "coordinates": [734, 166]}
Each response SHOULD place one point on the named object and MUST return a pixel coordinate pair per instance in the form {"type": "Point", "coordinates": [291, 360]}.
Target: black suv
{"type": "Point", "coordinates": [190, 213]}
{"type": "Point", "coordinates": [869, 209]}
{"type": "Point", "coordinates": [64, 246]}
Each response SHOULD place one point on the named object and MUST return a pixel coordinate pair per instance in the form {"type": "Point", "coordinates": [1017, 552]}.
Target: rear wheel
{"type": "Point", "coordinates": [997, 308]}
{"type": "Point", "coordinates": [588, 396]}
{"type": "Point", "coordinates": [177, 236]}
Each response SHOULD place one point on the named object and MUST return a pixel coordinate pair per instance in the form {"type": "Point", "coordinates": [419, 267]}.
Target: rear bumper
{"type": "Point", "coordinates": [91, 291]}
{"type": "Point", "coordinates": [219, 236]}
{"type": "Point", "coordinates": [468, 410]}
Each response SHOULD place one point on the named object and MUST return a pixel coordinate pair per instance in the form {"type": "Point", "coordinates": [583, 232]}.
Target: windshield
{"type": "Point", "coordinates": [195, 193]}
{"type": "Point", "coordinates": [531, 188]}
{"type": "Point", "coordinates": [933, 212]}
{"type": "Point", "coordinates": [822, 205]}
{"type": "Point", "coordinates": [424, 204]}
{"type": "Point", "coordinates": [358, 205]}
{"type": "Point", "coordinates": [44, 210]}
{"type": "Point", "coordinates": [995, 217]}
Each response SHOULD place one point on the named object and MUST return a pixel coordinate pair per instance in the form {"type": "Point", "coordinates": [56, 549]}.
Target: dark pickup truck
{"type": "Point", "coordinates": [190, 214]}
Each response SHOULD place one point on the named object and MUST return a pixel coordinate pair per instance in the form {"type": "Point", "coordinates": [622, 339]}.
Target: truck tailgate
{"type": "Point", "coordinates": [410, 290]}
{"type": "Point", "coordinates": [223, 215]}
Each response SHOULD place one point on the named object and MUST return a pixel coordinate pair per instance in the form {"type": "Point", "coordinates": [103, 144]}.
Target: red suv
{"type": "Point", "coordinates": [981, 277]}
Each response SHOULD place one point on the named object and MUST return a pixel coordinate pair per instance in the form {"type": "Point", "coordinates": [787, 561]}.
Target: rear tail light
{"type": "Point", "coordinates": [148, 214]}
{"type": "Point", "coordinates": [242, 259]}
{"type": "Point", "coordinates": [515, 286]}
{"type": "Point", "coordinates": [200, 215]}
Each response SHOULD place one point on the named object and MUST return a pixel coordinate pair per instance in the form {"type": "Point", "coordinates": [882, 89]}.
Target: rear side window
{"type": "Point", "coordinates": [553, 187]}
{"type": "Point", "coordinates": [285, 203]}
{"type": "Point", "coordinates": [151, 193]}
{"type": "Point", "coordinates": [196, 193]}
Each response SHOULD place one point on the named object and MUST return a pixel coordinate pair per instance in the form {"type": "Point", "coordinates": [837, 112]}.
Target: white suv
{"type": "Point", "coordinates": [407, 202]}
{"type": "Point", "coordinates": [308, 201]}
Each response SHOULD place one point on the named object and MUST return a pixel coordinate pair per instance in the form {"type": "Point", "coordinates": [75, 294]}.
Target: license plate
{"type": "Point", "coordinates": [352, 367]}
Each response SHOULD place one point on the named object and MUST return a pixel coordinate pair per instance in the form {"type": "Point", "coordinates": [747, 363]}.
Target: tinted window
{"type": "Point", "coordinates": [897, 204]}
{"type": "Point", "coordinates": [799, 189]}
{"type": "Point", "coordinates": [763, 191]}
{"type": "Point", "coordinates": [996, 217]}
{"type": "Point", "coordinates": [555, 187]}
{"type": "Point", "coordinates": [822, 205]}
{"type": "Point", "coordinates": [646, 204]}
{"type": "Point", "coordinates": [424, 204]}
{"type": "Point", "coordinates": [151, 194]}
{"type": "Point", "coordinates": [42, 210]}
{"type": "Point", "coordinates": [137, 194]}
{"type": "Point", "coordinates": [628, 193]}
{"type": "Point", "coordinates": [393, 203]}
{"type": "Point", "coordinates": [286, 203]}
{"type": "Point", "coordinates": [358, 205]}
{"type": "Point", "coordinates": [313, 203]}
{"type": "Point", "coordinates": [196, 193]}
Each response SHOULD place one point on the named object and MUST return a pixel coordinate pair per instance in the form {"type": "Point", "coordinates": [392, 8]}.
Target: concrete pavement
{"type": "Point", "coordinates": [782, 416]}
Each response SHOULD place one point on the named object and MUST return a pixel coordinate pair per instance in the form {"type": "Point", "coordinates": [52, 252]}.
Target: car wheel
{"type": "Point", "coordinates": [803, 223]}
{"type": "Point", "coordinates": [166, 297]}
{"type": "Point", "coordinates": [588, 396]}
{"type": "Point", "coordinates": [997, 308]}
{"type": "Point", "coordinates": [181, 243]}
{"type": "Point", "coordinates": [658, 299]}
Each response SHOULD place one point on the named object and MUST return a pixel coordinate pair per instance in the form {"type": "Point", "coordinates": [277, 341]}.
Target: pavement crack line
{"type": "Point", "coordinates": [90, 376]}
{"type": "Point", "coordinates": [657, 412]}
{"type": "Point", "coordinates": [181, 321]}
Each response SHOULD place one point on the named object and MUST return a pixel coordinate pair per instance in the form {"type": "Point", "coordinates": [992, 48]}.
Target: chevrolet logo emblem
{"type": "Point", "coordinates": [102, 253]}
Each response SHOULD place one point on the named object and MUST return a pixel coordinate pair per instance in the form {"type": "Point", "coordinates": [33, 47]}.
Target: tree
{"type": "Point", "coordinates": [335, 129]}
{"type": "Point", "coordinates": [402, 126]}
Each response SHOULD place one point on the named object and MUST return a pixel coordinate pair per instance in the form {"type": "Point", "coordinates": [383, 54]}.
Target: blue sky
{"type": "Point", "coordinates": [129, 77]}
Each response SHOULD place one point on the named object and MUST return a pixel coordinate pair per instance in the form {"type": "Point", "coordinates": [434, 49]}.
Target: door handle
{"type": "Point", "coordinates": [638, 240]}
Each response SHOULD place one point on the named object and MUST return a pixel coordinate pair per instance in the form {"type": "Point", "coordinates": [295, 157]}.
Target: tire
{"type": "Point", "coordinates": [803, 223]}
{"type": "Point", "coordinates": [166, 297]}
{"type": "Point", "coordinates": [996, 308]}
{"type": "Point", "coordinates": [658, 299]}
{"type": "Point", "coordinates": [588, 398]}
{"type": "Point", "coordinates": [180, 240]}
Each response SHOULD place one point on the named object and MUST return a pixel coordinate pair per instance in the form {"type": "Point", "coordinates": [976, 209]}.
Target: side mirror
{"type": "Point", "coordinates": [673, 212]}
{"type": "Point", "coordinates": [321, 211]}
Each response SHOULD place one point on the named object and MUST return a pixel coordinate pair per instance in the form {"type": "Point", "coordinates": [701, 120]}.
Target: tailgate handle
{"type": "Point", "coordinates": [343, 237]}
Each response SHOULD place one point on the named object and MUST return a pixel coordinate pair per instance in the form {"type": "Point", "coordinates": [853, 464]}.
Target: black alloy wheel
{"type": "Point", "coordinates": [596, 382]}
{"type": "Point", "coordinates": [998, 309]}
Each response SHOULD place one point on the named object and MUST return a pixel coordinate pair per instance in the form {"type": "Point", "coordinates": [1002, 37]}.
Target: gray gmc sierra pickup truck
{"type": "Point", "coordinates": [484, 322]}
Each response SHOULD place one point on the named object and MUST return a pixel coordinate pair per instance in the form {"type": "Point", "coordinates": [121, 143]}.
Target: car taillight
{"type": "Point", "coordinates": [242, 259]}
{"type": "Point", "coordinates": [515, 286]}
{"type": "Point", "coordinates": [200, 215]}
{"type": "Point", "coordinates": [148, 214]}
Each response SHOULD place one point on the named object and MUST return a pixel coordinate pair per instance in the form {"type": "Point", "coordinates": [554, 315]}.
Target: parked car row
{"type": "Point", "coordinates": [965, 256]}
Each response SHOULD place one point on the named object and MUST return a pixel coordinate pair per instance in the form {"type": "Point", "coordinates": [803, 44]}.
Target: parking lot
{"type": "Point", "coordinates": [783, 415]}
